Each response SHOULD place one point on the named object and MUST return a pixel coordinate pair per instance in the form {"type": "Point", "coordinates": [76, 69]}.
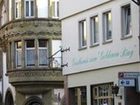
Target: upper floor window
{"type": "Point", "coordinates": [107, 26]}
{"type": "Point", "coordinates": [30, 53]}
{"type": "Point", "coordinates": [42, 52]}
{"type": "Point", "coordinates": [29, 8]}
{"type": "Point", "coordinates": [94, 30]}
{"type": "Point", "coordinates": [18, 46]}
{"type": "Point", "coordinates": [17, 8]}
{"type": "Point", "coordinates": [3, 14]}
{"type": "Point", "coordinates": [82, 34]}
{"type": "Point", "coordinates": [55, 8]}
{"type": "Point", "coordinates": [126, 20]}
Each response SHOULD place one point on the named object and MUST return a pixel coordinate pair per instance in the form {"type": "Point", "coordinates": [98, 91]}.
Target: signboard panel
{"type": "Point", "coordinates": [128, 74]}
{"type": "Point", "coordinates": [127, 82]}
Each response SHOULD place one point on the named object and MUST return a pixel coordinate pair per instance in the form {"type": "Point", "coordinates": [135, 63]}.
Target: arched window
{"type": "Point", "coordinates": [9, 98]}
{"type": "Point", "coordinates": [34, 100]}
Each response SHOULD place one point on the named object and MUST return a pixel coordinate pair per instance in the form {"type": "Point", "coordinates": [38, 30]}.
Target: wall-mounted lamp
{"type": "Point", "coordinates": [115, 90]}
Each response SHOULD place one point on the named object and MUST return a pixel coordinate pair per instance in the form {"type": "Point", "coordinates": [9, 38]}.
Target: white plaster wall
{"type": "Point", "coordinates": [101, 76]}
{"type": "Point", "coordinates": [70, 39]}
{"type": "Point", "coordinates": [69, 7]}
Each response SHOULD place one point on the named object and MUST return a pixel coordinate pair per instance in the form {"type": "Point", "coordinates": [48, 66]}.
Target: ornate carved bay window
{"type": "Point", "coordinates": [28, 53]}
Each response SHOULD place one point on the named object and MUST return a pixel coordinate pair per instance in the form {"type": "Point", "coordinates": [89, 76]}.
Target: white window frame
{"type": "Point", "coordinates": [17, 51]}
{"type": "Point", "coordinates": [82, 34]}
{"type": "Point", "coordinates": [17, 9]}
{"type": "Point", "coordinates": [126, 21]}
{"type": "Point", "coordinates": [28, 49]}
{"type": "Point", "coordinates": [43, 48]}
{"type": "Point", "coordinates": [107, 26]}
{"type": "Point", "coordinates": [102, 94]}
{"type": "Point", "coordinates": [94, 33]}
{"type": "Point", "coordinates": [30, 16]}
{"type": "Point", "coordinates": [55, 5]}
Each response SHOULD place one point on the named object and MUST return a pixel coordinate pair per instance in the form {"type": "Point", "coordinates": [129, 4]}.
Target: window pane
{"type": "Point", "coordinates": [57, 9]}
{"type": "Point", "coordinates": [126, 19]}
{"type": "Point", "coordinates": [42, 43]}
{"type": "Point", "coordinates": [56, 46]}
{"type": "Point", "coordinates": [32, 8]}
{"type": "Point", "coordinates": [94, 30]}
{"type": "Point", "coordinates": [30, 43]}
{"type": "Point", "coordinates": [30, 57]}
{"type": "Point", "coordinates": [18, 45]}
{"type": "Point", "coordinates": [102, 94]}
{"type": "Point", "coordinates": [78, 96]}
{"type": "Point", "coordinates": [43, 59]}
{"type": "Point", "coordinates": [27, 8]}
{"type": "Point", "coordinates": [83, 35]}
{"type": "Point", "coordinates": [107, 26]}
{"type": "Point", "coordinates": [18, 58]}
{"type": "Point", "coordinates": [16, 10]}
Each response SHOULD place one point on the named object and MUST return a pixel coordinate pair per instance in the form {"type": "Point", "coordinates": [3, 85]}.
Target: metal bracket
{"type": "Point", "coordinates": [65, 50]}
{"type": "Point", "coordinates": [137, 2]}
{"type": "Point", "coordinates": [63, 65]}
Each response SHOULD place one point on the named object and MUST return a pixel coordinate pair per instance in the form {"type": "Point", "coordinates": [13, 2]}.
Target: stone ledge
{"type": "Point", "coordinates": [34, 76]}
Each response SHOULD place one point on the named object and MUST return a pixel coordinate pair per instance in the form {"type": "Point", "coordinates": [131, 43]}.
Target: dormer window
{"type": "Point", "coordinates": [29, 8]}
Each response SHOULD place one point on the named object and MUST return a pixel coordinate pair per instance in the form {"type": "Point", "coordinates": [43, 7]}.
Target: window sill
{"type": "Point", "coordinates": [83, 48]}
{"type": "Point", "coordinates": [126, 37]}
{"type": "Point", "coordinates": [94, 45]}
{"type": "Point", "coordinates": [107, 41]}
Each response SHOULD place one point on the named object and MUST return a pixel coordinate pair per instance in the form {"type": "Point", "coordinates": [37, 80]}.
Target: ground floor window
{"type": "Point", "coordinates": [102, 94]}
{"type": "Point", "coordinates": [77, 96]}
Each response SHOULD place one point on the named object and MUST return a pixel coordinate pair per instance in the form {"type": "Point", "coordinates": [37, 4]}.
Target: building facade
{"type": "Point", "coordinates": [30, 52]}
{"type": "Point", "coordinates": [104, 57]}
